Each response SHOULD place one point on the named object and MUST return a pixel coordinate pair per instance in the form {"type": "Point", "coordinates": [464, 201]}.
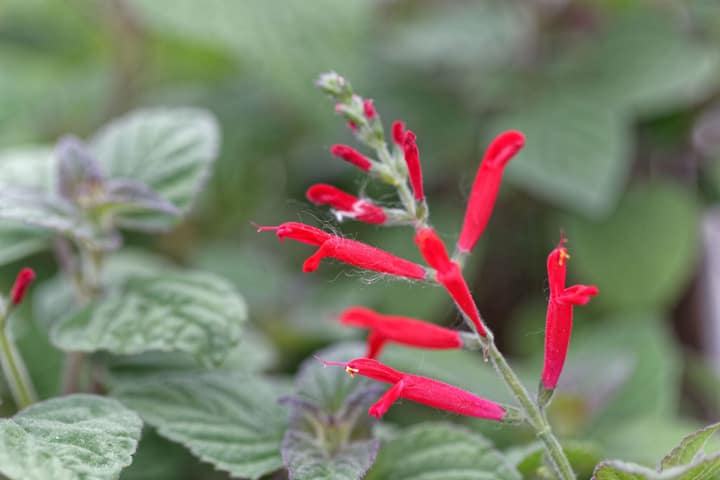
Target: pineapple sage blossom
{"type": "Point", "coordinates": [426, 391]}
{"type": "Point", "coordinates": [345, 204]}
{"type": "Point", "coordinates": [348, 251]}
{"type": "Point", "coordinates": [486, 187]}
{"type": "Point", "coordinates": [558, 322]}
{"type": "Point", "coordinates": [401, 330]}
{"type": "Point", "coordinates": [399, 168]}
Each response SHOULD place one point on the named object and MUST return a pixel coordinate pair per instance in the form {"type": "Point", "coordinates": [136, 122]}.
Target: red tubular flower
{"type": "Point", "coordinates": [558, 322]}
{"type": "Point", "coordinates": [449, 274]}
{"type": "Point", "coordinates": [351, 155]}
{"type": "Point", "coordinates": [426, 391]}
{"type": "Point", "coordinates": [398, 133]}
{"type": "Point", "coordinates": [412, 159]}
{"type": "Point", "coordinates": [348, 251]}
{"type": "Point", "coordinates": [22, 282]}
{"type": "Point", "coordinates": [345, 204]}
{"type": "Point", "coordinates": [403, 330]}
{"type": "Point", "coordinates": [369, 109]}
{"type": "Point", "coordinates": [486, 186]}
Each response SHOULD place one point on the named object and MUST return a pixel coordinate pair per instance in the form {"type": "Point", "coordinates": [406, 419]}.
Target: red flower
{"type": "Point", "coordinates": [346, 205]}
{"type": "Point", "coordinates": [369, 109]}
{"type": "Point", "coordinates": [348, 251]}
{"type": "Point", "coordinates": [449, 274]}
{"type": "Point", "coordinates": [486, 186]}
{"type": "Point", "coordinates": [398, 133]}
{"type": "Point", "coordinates": [403, 330]}
{"type": "Point", "coordinates": [558, 323]}
{"type": "Point", "coordinates": [22, 282]}
{"type": "Point", "coordinates": [351, 155]}
{"type": "Point", "coordinates": [412, 159]}
{"type": "Point", "coordinates": [426, 391]}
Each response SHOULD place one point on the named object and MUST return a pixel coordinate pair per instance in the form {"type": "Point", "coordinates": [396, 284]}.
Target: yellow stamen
{"type": "Point", "coordinates": [563, 256]}
{"type": "Point", "coordinates": [351, 371]}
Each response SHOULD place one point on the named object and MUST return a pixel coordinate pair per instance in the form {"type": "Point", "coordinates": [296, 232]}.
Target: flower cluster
{"type": "Point", "coordinates": [399, 165]}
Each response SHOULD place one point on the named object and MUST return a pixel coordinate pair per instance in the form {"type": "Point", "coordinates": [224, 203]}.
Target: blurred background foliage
{"type": "Point", "coordinates": [620, 104]}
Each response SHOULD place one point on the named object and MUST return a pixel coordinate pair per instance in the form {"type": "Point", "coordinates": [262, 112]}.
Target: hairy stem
{"type": "Point", "coordinates": [15, 371]}
{"type": "Point", "coordinates": [87, 289]}
{"type": "Point", "coordinates": [535, 417]}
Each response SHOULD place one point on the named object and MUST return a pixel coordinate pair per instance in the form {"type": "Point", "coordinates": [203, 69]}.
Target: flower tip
{"type": "Point", "coordinates": [369, 109]}
{"type": "Point", "coordinates": [504, 147]}
{"type": "Point", "coordinates": [398, 132]}
{"type": "Point", "coordinates": [410, 138]}
{"type": "Point", "coordinates": [22, 282]}
{"type": "Point", "coordinates": [375, 411]}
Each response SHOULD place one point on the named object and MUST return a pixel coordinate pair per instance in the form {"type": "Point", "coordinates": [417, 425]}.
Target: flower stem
{"type": "Point", "coordinates": [15, 371]}
{"type": "Point", "coordinates": [87, 289]}
{"type": "Point", "coordinates": [535, 417]}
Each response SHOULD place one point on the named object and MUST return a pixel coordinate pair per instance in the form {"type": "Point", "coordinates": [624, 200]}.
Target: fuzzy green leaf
{"type": "Point", "coordinates": [330, 431]}
{"type": "Point", "coordinates": [655, 230]}
{"type": "Point", "coordinates": [69, 438]}
{"type": "Point", "coordinates": [232, 421]}
{"type": "Point", "coordinates": [169, 150]}
{"type": "Point", "coordinates": [704, 469]}
{"type": "Point", "coordinates": [689, 447]}
{"type": "Point", "coordinates": [435, 451]}
{"type": "Point", "coordinates": [192, 312]}
{"type": "Point", "coordinates": [575, 152]}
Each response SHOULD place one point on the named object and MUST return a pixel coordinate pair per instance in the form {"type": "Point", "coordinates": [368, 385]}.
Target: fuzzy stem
{"type": "Point", "coordinates": [535, 417]}
{"type": "Point", "coordinates": [87, 289]}
{"type": "Point", "coordinates": [14, 369]}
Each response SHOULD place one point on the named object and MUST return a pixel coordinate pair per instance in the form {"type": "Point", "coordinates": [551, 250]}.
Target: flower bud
{"type": "Point", "coordinates": [22, 282]}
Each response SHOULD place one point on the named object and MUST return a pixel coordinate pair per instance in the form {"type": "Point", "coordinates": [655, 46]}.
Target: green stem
{"type": "Point", "coordinates": [88, 288]}
{"type": "Point", "coordinates": [535, 417]}
{"type": "Point", "coordinates": [15, 371]}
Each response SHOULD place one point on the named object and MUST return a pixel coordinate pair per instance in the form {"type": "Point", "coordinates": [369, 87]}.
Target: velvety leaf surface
{"type": "Point", "coordinates": [232, 421]}
{"type": "Point", "coordinates": [654, 230]}
{"type": "Point", "coordinates": [438, 451]}
{"type": "Point", "coordinates": [191, 312]}
{"type": "Point", "coordinates": [169, 150]}
{"type": "Point", "coordinates": [75, 437]}
{"type": "Point", "coordinates": [330, 431]}
{"type": "Point", "coordinates": [575, 151]}
{"type": "Point", "coordinates": [690, 447]}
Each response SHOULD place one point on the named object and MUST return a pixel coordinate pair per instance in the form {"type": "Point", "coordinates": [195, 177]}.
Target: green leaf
{"type": "Point", "coordinates": [575, 154]}
{"type": "Point", "coordinates": [192, 312]}
{"type": "Point", "coordinates": [617, 470]}
{"type": "Point", "coordinates": [645, 63]}
{"type": "Point", "coordinates": [169, 150]}
{"type": "Point", "coordinates": [79, 436]}
{"type": "Point", "coordinates": [330, 431]}
{"type": "Point", "coordinates": [655, 230]}
{"type": "Point", "coordinates": [55, 298]}
{"type": "Point", "coordinates": [34, 209]}
{"type": "Point", "coordinates": [232, 421]}
{"type": "Point", "coordinates": [640, 377]}
{"type": "Point", "coordinates": [252, 354]}
{"type": "Point", "coordinates": [528, 459]}
{"type": "Point", "coordinates": [31, 168]}
{"type": "Point", "coordinates": [704, 469]}
{"type": "Point", "coordinates": [18, 241]}
{"type": "Point", "coordinates": [307, 458]}
{"type": "Point", "coordinates": [490, 33]}
{"type": "Point", "coordinates": [440, 451]}
{"type": "Point", "coordinates": [273, 43]}
{"type": "Point", "coordinates": [690, 447]}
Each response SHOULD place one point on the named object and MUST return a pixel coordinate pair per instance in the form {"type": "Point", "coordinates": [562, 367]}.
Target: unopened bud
{"type": "Point", "coordinates": [22, 282]}
{"type": "Point", "coordinates": [334, 85]}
